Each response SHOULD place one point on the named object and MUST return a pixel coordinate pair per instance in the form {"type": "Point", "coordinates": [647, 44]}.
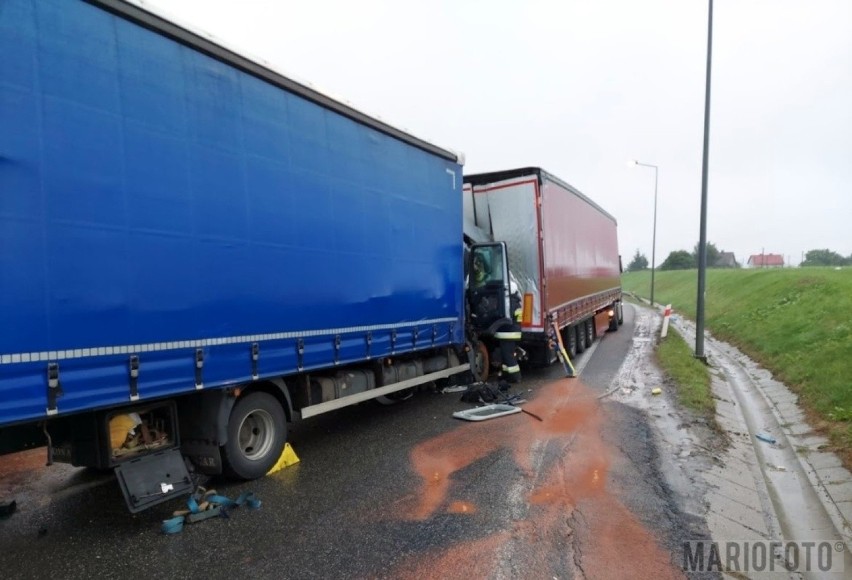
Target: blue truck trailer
{"type": "Point", "coordinates": [196, 249]}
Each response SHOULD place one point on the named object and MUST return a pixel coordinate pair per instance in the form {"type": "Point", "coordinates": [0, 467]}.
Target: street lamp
{"type": "Point", "coordinates": [702, 240]}
{"type": "Point", "coordinates": [633, 163]}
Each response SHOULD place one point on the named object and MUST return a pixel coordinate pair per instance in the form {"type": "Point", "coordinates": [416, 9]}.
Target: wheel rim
{"type": "Point", "coordinates": [481, 362]}
{"type": "Point", "coordinates": [256, 434]}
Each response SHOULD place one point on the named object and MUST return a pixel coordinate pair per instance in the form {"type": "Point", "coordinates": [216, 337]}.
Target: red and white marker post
{"type": "Point", "coordinates": [666, 315]}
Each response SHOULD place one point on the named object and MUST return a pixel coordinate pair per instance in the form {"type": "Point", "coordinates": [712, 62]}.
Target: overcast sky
{"type": "Point", "coordinates": [578, 87]}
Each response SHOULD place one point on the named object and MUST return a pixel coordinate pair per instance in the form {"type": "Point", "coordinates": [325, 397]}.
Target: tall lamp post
{"type": "Point", "coordinates": [702, 241]}
{"type": "Point", "coordinates": [633, 163]}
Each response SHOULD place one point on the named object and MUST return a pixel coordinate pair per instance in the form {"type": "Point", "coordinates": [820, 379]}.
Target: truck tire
{"type": "Point", "coordinates": [257, 431]}
{"type": "Point", "coordinates": [580, 336]}
{"type": "Point", "coordinates": [394, 398]}
{"type": "Point", "coordinates": [481, 362]}
{"type": "Point", "coordinates": [589, 325]}
{"type": "Point", "coordinates": [620, 313]}
{"type": "Point", "coordinates": [570, 339]}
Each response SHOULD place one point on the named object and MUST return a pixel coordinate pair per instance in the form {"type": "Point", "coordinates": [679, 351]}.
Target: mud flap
{"type": "Point", "coordinates": [153, 479]}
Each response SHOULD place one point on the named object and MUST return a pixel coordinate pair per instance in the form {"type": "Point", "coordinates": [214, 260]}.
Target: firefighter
{"type": "Point", "coordinates": [508, 336]}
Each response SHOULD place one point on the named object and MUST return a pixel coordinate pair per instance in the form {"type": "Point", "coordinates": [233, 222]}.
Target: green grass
{"type": "Point", "coordinates": [795, 322]}
{"type": "Point", "coordinates": [691, 375]}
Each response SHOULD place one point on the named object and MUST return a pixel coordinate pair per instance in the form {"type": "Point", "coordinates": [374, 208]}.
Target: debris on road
{"type": "Point", "coordinates": [773, 467]}
{"type": "Point", "coordinates": [489, 398]}
{"type": "Point", "coordinates": [657, 391]}
{"type": "Point", "coordinates": [533, 415]}
{"type": "Point", "coordinates": [7, 508]}
{"type": "Point", "coordinates": [766, 438]}
{"type": "Point", "coordinates": [483, 393]}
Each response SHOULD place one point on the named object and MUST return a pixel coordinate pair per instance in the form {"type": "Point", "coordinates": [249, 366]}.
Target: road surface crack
{"type": "Point", "coordinates": [576, 547]}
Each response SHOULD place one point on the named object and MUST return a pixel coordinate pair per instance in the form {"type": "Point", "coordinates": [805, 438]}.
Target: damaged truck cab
{"type": "Point", "coordinates": [563, 252]}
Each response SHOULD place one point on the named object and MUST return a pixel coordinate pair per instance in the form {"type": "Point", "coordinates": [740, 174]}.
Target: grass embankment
{"type": "Point", "coordinates": [795, 322]}
{"type": "Point", "coordinates": [691, 375]}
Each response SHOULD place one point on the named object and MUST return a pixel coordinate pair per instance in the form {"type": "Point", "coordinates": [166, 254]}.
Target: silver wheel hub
{"type": "Point", "coordinates": [256, 434]}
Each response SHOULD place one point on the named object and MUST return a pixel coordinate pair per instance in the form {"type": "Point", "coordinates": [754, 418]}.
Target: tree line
{"type": "Point", "coordinates": [684, 260]}
{"type": "Point", "coordinates": [825, 257]}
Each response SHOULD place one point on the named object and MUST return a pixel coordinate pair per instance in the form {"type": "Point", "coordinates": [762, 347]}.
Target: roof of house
{"type": "Point", "coordinates": [766, 260]}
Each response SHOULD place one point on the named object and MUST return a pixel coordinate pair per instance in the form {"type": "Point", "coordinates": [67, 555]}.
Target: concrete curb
{"type": "Point", "coordinates": [794, 432]}
{"type": "Point", "coordinates": [842, 518]}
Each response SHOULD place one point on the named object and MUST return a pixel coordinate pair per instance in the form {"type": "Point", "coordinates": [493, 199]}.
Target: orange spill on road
{"type": "Point", "coordinates": [461, 507]}
{"type": "Point", "coordinates": [569, 509]}
{"type": "Point", "coordinates": [612, 536]}
{"type": "Point", "coordinates": [18, 468]}
{"type": "Point", "coordinates": [22, 461]}
{"type": "Point", "coordinates": [563, 407]}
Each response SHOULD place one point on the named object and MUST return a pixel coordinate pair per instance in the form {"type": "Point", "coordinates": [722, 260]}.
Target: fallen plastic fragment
{"type": "Point", "coordinates": [455, 389]}
{"type": "Point", "coordinates": [767, 438]}
{"type": "Point", "coordinates": [657, 391]}
{"type": "Point", "coordinates": [776, 467]}
{"type": "Point", "coordinates": [486, 412]}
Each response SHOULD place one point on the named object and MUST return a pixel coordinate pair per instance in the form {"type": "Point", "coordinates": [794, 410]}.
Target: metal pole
{"type": "Point", "coordinates": [654, 242]}
{"type": "Point", "coordinates": [702, 242]}
{"type": "Point", "coordinates": [654, 238]}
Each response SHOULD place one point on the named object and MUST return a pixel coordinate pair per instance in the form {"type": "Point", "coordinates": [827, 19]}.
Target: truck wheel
{"type": "Point", "coordinates": [590, 332]}
{"type": "Point", "coordinates": [620, 313]}
{"type": "Point", "coordinates": [394, 398]}
{"type": "Point", "coordinates": [257, 431]}
{"type": "Point", "coordinates": [580, 336]}
{"type": "Point", "coordinates": [481, 362]}
{"type": "Point", "coordinates": [570, 339]}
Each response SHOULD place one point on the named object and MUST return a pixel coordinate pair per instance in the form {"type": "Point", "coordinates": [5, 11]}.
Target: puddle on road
{"type": "Point", "coordinates": [565, 517]}
{"type": "Point", "coordinates": [25, 478]}
{"type": "Point", "coordinates": [471, 559]}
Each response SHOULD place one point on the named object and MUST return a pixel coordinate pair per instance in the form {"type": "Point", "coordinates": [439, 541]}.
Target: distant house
{"type": "Point", "coordinates": [726, 260]}
{"type": "Point", "coordinates": [766, 261]}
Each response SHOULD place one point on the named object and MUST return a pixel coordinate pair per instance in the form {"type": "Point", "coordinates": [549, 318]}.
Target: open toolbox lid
{"type": "Point", "coordinates": [153, 479]}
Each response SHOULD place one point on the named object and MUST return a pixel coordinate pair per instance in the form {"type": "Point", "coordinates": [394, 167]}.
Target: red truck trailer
{"type": "Point", "coordinates": [562, 254]}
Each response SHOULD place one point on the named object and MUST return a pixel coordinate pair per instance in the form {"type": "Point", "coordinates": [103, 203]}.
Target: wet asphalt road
{"type": "Point", "coordinates": [357, 506]}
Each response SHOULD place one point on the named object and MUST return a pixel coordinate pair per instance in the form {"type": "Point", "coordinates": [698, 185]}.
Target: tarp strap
{"type": "Point", "coordinates": [214, 503]}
